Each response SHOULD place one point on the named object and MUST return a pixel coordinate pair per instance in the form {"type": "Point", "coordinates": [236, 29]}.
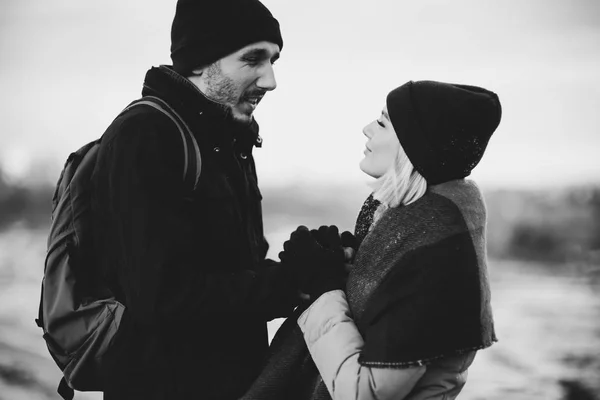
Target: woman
{"type": "Point", "coordinates": [416, 306]}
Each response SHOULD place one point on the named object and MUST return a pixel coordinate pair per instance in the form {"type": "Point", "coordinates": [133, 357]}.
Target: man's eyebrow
{"type": "Point", "coordinates": [260, 53]}
{"type": "Point", "coordinates": [254, 53]}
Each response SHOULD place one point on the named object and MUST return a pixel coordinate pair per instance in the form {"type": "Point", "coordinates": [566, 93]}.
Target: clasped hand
{"type": "Point", "coordinates": [319, 259]}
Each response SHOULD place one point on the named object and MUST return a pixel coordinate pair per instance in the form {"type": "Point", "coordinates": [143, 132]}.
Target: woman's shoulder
{"type": "Point", "coordinates": [431, 209]}
{"type": "Point", "coordinates": [455, 204]}
{"type": "Point", "coordinates": [462, 193]}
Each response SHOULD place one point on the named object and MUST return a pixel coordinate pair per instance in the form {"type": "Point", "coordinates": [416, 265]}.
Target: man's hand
{"type": "Point", "coordinates": [298, 253]}
{"type": "Point", "coordinates": [317, 267]}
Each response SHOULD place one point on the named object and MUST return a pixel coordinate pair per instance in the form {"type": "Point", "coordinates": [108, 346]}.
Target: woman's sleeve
{"type": "Point", "coordinates": [335, 344]}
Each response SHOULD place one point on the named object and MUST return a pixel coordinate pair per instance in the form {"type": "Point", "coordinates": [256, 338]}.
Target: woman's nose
{"type": "Point", "coordinates": [367, 132]}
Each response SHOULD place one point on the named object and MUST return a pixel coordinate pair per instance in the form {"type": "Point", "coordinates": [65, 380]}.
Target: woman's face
{"type": "Point", "coordinates": [381, 148]}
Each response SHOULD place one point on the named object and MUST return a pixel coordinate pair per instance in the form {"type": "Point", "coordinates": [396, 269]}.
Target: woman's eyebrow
{"type": "Point", "coordinates": [385, 114]}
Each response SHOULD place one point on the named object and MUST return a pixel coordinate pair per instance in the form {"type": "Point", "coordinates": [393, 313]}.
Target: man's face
{"type": "Point", "coordinates": [240, 80]}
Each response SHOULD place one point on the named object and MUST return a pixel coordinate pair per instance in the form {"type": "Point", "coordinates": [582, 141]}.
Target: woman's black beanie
{"type": "Point", "coordinates": [444, 128]}
{"type": "Point", "coordinates": [205, 31]}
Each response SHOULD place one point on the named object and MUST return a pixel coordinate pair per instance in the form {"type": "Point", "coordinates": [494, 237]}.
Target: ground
{"type": "Point", "coordinates": [547, 322]}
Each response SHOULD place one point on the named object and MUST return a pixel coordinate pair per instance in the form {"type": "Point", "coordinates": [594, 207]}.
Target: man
{"type": "Point", "coordinates": [191, 269]}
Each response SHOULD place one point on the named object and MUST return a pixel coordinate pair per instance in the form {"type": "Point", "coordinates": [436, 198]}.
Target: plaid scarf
{"type": "Point", "coordinates": [418, 292]}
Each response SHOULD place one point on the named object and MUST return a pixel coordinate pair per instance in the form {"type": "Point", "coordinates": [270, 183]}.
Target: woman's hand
{"type": "Point", "coordinates": [350, 245]}
{"type": "Point", "coordinates": [329, 237]}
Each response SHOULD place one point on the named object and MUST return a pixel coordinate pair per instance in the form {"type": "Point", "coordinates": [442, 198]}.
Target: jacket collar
{"type": "Point", "coordinates": [187, 99]}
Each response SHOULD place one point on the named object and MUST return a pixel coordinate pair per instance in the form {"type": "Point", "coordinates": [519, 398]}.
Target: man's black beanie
{"type": "Point", "coordinates": [443, 128]}
{"type": "Point", "coordinates": [205, 31]}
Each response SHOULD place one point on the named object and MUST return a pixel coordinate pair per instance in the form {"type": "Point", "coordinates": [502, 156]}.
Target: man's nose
{"type": "Point", "coordinates": [267, 81]}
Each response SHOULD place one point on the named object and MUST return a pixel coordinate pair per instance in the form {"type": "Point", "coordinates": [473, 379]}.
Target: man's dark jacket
{"type": "Point", "coordinates": [189, 267]}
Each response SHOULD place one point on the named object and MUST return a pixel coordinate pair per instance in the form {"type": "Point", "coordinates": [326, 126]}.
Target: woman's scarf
{"type": "Point", "coordinates": [418, 292]}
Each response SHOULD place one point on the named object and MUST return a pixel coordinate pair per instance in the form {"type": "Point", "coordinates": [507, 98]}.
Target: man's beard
{"type": "Point", "coordinates": [223, 90]}
{"type": "Point", "coordinates": [220, 88]}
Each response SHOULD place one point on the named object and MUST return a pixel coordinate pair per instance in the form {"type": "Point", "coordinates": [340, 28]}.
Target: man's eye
{"type": "Point", "coordinates": [380, 123]}
{"type": "Point", "coordinates": [251, 60]}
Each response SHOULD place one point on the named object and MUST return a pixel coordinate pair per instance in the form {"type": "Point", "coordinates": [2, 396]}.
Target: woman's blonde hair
{"type": "Point", "coordinates": [402, 184]}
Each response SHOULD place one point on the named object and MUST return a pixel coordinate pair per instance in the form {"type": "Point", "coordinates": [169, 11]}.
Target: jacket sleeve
{"type": "Point", "coordinates": [335, 344]}
{"type": "Point", "coordinates": [150, 234]}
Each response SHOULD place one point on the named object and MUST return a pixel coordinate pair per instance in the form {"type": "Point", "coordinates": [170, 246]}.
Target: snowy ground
{"type": "Point", "coordinates": [548, 326]}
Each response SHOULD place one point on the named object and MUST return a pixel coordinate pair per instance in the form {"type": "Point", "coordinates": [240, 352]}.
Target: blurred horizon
{"type": "Point", "coordinates": [70, 67]}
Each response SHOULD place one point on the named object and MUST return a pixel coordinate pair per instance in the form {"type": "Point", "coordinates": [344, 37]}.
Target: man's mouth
{"type": "Point", "coordinates": [253, 100]}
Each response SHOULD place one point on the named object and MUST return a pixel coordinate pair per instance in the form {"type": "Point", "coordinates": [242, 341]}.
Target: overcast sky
{"type": "Point", "coordinates": [69, 66]}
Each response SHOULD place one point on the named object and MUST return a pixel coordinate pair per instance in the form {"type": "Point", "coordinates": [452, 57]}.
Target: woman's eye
{"type": "Point", "coordinates": [380, 123]}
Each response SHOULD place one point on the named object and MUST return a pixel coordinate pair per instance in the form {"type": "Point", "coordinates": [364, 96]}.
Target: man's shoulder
{"type": "Point", "coordinates": [144, 116]}
{"type": "Point", "coordinates": [141, 132]}
{"type": "Point", "coordinates": [141, 122]}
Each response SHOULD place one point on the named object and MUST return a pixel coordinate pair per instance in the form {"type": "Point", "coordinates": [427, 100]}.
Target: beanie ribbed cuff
{"type": "Point", "coordinates": [405, 120]}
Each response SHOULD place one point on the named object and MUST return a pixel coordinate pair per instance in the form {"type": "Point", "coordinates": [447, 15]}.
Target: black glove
{"type": "Point", "coordinates": [329, 237]}
{"type": "Point", "coordinates": [317, 269]}
{"type": "Point", "coordinates": [281, 290]}
{"type": "Point", "coordinates": [349, 240]}
{"type": "Point", "coordinates": [350, 245]}
{"type": "Point", "coordinates": [329, 277]}
{"type": "Point", "coordinates": [297, 256]}
{"type": "Point", "coordinates": [300, 255]}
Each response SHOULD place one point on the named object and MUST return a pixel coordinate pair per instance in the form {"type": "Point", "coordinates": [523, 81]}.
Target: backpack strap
{"type": "Point", "coordinates": [192, 161]}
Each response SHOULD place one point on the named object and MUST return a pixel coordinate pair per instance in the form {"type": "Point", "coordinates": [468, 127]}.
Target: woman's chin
{"type": "Point", "coordinates": [363, 165]}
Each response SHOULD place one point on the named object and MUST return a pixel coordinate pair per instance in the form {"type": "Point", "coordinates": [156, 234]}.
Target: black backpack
{"type": "Point", "coordinates": [79, 316]}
